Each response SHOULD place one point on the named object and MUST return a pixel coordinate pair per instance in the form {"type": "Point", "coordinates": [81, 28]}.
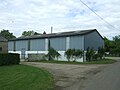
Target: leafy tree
{"type": "Point", "coordinates": [6, 34]}
{"type": "Point", "coordinates": [52, 54]}
{"type": "Point", "coordinates": [28, 33]}
{"type": "Point", "coordinates": [101, 52]}
{"type": "Point", "coordinates": [44, 32]}
{"type": "Point", "coordinates": [90, 54]}
{"type": "Point", "coordinates": [68, 54]}
{"type": "Point", "coordinates": [77, 53]}
{"type": "Point", "coordinates": [113, 46]}
{"type": "Point", "coordinates": [35, 33]}
{"type": "Point", "coordinates": [116, 49]}
{"type": "Point", "coordinates": [109, 45]}
{"type": "Point", "coordinates": [73, 53]}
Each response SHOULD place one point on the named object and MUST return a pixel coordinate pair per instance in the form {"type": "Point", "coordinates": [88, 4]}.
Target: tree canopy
{"type": "Point", "coordinates": [113, 46]}
{"type": "Point", "coordinates": [29, 33]}
{"type": "Point", "coordinates": [6, 34]}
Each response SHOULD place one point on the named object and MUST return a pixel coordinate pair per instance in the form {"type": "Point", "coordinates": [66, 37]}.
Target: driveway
{"type": "Point", "coordinates": [107, 79]}
{"type": "Point", "coordinates": [67, 76]}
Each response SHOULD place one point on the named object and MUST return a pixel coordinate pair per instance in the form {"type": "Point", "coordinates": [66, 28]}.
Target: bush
{"type": "Point", "coordinates": [9, 59]}
{"type": "Point", "coordinates": [90, 54]}
{"type": "Point", "coordinates": [52, 54]}
{"type": "Point", "coordinates": [101, 52]}
{"type": "Point", "coordinates": [73, 54]}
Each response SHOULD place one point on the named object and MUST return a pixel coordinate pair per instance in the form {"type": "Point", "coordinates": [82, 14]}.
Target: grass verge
{"type": "Point", "coordinates": [22, 77]}
{"type": "Point", "coordinates": [103, 61]}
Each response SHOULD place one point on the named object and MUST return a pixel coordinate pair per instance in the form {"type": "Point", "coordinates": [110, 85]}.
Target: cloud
{"type": "Point", "coordinates": [63, 15]}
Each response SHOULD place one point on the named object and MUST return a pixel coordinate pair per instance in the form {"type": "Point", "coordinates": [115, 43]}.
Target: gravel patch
{"type": "Point", "coordinates": [67, 76]}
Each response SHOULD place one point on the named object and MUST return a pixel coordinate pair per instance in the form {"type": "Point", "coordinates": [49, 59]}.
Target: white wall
{"type": "Point", "coordinates": [62, 58]}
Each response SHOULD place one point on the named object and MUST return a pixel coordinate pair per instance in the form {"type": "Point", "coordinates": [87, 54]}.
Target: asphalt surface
{"type": "Point", "coordinates": [107, 79]}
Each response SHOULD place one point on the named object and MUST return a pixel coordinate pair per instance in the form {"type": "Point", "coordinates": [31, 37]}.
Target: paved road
{"type": "Point", "coordinates": [107, 79]}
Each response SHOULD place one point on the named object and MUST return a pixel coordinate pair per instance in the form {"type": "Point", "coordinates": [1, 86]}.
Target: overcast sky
{"type": "Point", "coordinates": [64, 15]}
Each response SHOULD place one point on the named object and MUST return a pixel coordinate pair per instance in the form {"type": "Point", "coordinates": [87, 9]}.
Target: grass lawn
{"type": "Point", "coordinates": [104, 61]}
{"type": "Point", "coordinates": [21, 77]}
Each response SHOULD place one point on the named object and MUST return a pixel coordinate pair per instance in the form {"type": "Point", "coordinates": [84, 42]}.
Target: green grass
{"type": "Point", "coordinates": [21, 77]}
{"type": "Point", "coordinates": [104, 61]}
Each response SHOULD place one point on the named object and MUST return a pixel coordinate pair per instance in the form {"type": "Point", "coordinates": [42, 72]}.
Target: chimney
{"type": "Point", "coordinates": [51, 30]}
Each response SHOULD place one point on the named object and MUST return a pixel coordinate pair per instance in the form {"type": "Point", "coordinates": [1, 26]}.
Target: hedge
{"type": "Point", "coordinates": [9, 59]}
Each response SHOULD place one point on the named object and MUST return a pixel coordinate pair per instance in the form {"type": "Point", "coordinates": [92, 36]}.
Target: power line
{"type": "Point", "coordinates": [97, 14]}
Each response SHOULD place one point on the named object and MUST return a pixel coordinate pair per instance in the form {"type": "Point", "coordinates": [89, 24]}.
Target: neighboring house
{"type": "Point", "coordinates": [3, 45]}
{"type": "Point", "coordinates": [59, 41]}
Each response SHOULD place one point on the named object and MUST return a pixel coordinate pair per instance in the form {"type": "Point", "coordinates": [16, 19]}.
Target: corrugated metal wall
{"type": "Point", "coordinates": [37, 45]}
{"type": "Point", "coordinates": [58, 43]}
{"type": "Point", "coordinates": [93, 40]}
{"type": "Point", "coordinates": [22, 44]}
{"type": "Point", "coordinates": [10, 45]}
{"type": "Point", "coordinates": [77, 42]}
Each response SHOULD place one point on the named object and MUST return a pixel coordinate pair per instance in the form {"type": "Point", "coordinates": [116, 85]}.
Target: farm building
{"type": "Point", "coordinates": [3, 45]}
{"type": "Point", "coordinates": [59, 41]}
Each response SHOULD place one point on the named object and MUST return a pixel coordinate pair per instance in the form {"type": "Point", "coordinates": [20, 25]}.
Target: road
{"type": "Point", "coordinates": [67, 76]}
{"type": "Point", "coordinates": [107, 79]}
{"type": "Point", "coordinates": [83, 77]}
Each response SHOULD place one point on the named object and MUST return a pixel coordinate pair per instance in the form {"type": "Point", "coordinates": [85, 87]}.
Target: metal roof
{"type": "Point", "coordinates": [60, 34]}
{"type": "Point", "coordinates": [2, 39]}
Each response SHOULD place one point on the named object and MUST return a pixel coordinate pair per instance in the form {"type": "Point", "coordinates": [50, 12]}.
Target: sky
{"type": "Point", "coordinates": [63, 15]}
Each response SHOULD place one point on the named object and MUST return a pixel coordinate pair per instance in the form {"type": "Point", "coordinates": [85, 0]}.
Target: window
{"type": "Point", "coordinates": [0, 49]}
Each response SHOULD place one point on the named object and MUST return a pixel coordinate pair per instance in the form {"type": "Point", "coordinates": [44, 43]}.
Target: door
{"type": "Point", "coordinates": [23, 53]}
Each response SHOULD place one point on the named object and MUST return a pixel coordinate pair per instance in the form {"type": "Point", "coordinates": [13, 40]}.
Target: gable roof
{"type": "Point", "coordinates": [2, 39]}
{"type": "Point", "coordinates": [60, 34]}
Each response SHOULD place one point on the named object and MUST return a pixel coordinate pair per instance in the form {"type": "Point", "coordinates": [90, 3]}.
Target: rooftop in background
{"type": "Point", "coordinates": [2, 39]}
{"type": "Point", "coordinates": [59, 34]}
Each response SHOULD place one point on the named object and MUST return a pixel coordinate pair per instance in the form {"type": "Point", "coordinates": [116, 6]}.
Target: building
{"type": "Point", "coordinates": [3, 45]}
{"type": "Point", "coordinates": [59, 41]}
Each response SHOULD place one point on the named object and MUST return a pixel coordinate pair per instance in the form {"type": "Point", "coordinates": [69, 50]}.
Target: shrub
{"type": "Point", "coordinates": [90, 54]}
{"type": "Point", "coordinates": [9, 59]}
{"type": "Point", "coordinates": [52, 54]}
{"type": "Point", "coordinates": [101, 52]}
{"type": "Point", "coordinates": [73, 54]}
{"type": "Point", "coordinates": [68, 54]}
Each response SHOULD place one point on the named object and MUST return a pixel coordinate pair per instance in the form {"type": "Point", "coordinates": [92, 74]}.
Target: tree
{"type": "Point", "coordinates": [109, 45]}
{"type": "Point", "coordinates": [90, 54]}
{"type": "Point", "coordinates": [44, 32]}
{"type": "Point", "coordinates": [101, 52]}
{"type": "Point", "coordinates": [73, 54]}
{"type": "Point", "coordinates": [116, 41]}
{"type": "Point", "coordinates": [6, 34]}
{"type": "Point", "coordinates": [28, 33]}
{"type": "Point", "coordinates": [35, 33]}
{"type": "Point", "coordinates": [77, 53]}
{"type": "Point", "coordinates": [68, 54]}
{"type": "Point", "coordinates": [53, 54]}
